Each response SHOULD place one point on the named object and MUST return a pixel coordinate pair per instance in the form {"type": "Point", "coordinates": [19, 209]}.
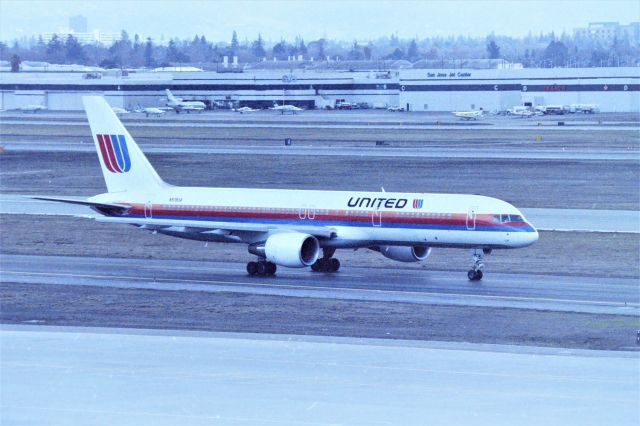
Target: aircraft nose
{"type": "Point", "coordinates": [532, 235]}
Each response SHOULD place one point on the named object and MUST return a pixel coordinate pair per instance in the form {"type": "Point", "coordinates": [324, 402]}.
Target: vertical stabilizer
{"type": "Point", "coordinates": [170, 96]}
{"type": "Point", "coordinates": [124, 166]}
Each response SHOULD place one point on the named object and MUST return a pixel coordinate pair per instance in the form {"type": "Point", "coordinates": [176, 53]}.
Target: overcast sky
{"type": "Point", "coordinates": [311, 19]}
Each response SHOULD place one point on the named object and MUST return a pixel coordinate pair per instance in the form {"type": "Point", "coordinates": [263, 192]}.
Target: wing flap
{"type": "Point", "coordinates": [317, 231]}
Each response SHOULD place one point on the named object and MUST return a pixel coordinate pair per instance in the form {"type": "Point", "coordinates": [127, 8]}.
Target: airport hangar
{"type": "Point", "coordinates": [612, 89]}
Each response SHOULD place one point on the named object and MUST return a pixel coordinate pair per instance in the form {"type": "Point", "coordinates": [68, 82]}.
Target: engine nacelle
{"type": "Point", "coordinates": [405, 253]}
{"type": "Point", "coordinates": [291, 249]}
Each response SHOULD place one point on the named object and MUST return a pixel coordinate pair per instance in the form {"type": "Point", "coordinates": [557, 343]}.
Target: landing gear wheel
{"type": "Point", "coordinates": [252, 268]}
{"type": "Point", "coordinates": [315, 267]}
{"type": "Point", "coordinates": [262, 268]}
{"type": "Point", "coordinates": [474, 275]}
{"type": "Point", "coordinates": [334, 264]}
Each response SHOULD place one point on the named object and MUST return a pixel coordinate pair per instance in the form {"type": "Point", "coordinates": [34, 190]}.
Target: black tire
{"type": "Point", "coordinates": [334, 264]}
{"type": "Point", "coordinates": [471, 275]}
{"type": "Point", "coordinates": [315, 266]}
{"type": "Point", "coordinates": [252, 268]}
{"type": "Point", "coordinates": [262, 268]}
{"type": "Point", "coordinates": [479, 275]}
{"type": "Point", "coordinates": [271, 268]}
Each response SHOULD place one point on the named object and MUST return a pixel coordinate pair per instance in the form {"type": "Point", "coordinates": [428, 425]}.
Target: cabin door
{"type": "Point", "coordinates": [471, 218]}
{"type": "Point", "coordinates": [148, 211]}
{"type": "Point", "coordinates": [376, 218]}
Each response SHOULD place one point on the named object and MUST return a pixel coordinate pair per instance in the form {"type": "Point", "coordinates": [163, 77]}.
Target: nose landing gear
{"type": "Point", "coordinates": [475, 273]}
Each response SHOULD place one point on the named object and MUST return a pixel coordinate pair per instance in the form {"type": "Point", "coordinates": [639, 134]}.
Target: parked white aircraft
{"type": "Point", "coordinates": [33, 108]}
{"type": "Point", "coordinates": [468, 115]}
{"type": "Point", "coordinates": [294, 228]}
{"type": "Point", "coordinates": [245, 110]}
{"type": "Point", "coordinates": [119, 110]}
{"type": "Point", "coordinates": [153, 111]}
{"type": "Point", "coordinates": [522, 113]}
{"type": "Point", "coordinates": [286, 108]}
{"type": "Point", "coordinates": [179, 105]}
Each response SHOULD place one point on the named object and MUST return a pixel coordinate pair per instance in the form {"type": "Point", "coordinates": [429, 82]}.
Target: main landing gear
{"type": "Point", "coordinates": [326, 263]}
{"type": "Point", "coordinates": [261, 268]}
{"type": "Point", "coordinates": [475, 273]}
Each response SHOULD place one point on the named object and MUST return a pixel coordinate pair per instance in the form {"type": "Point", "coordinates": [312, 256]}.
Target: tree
{"type": "Point", "coordinates": [279, 50]}
{"type": "Point", "coordinates": [412, 52]}
{"type": "Point", "coordinates": [234, 42]}
{"type": "Point", "coordinates": [15, 63]}
{"type": "Point", "coordinates": [396, 54]}
{"type": "Point", "coordinates": [556, 53]}
{"type": "Point", "coordinates": [73, 51]}
{"type": "Point", "coordinates": [174, 54]}
{"type": "Point", "coordinates": [302, 48]}
{"type": "Point", "coordinates": [493, 50]}
{"type": "Point", "coordinates": [55, 50]}
{"type": "Point", "coordinates": [149, 62]}
{"type": "Point", "coordinates": [355, 54]}
{"type": "Point", "coordinates": [257, 48]}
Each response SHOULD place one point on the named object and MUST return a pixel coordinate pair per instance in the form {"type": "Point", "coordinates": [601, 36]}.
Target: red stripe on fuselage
{"type": "Point", "coordinates": [359, 216]}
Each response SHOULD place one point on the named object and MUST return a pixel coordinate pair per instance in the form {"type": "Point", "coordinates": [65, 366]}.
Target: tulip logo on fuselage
{"type": "Point", "coordinates": [114, 152]}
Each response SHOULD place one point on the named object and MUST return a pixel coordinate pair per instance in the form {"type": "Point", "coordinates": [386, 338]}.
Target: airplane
{"type": "Point", "coordinates": [153, 111]}
{"type": "Point", "coordinates": [179, 105]}
{"type": "Point", "coordinates": [33, 108]}
{"type": "Point", "coordinates": [286, 108]}
{"type": "Point", "coordinates": [468, 115]}
{"type": "Point", "coordinates": [522, 113]}
{"type": "Point", "coordinates": [119, 110]}
{"type": "Point", "coordinates": [293, 228]}
{"type": "Point", "coordinates": [245, 109]}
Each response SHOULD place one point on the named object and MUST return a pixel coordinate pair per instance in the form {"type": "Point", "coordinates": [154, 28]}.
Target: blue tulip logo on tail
{"type": "Point", "coordinates": [115, 154]}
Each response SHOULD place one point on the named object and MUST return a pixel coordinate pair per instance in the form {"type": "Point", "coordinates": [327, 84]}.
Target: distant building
{"type": "Point", "coordinates": [78, 24]}
{"type": "Point", "coordinates": [605, 32]}
{"type": "Point", "coordinates": [84, 38]}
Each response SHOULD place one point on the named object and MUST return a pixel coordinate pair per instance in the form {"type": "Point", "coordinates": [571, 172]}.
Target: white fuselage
{"type": "Point", "coordinates": [343, 218]}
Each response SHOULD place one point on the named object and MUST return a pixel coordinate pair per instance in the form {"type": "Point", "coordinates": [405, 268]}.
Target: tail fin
{"type": "Point", "coordinates": [124, 166]}
{"type": "Point", "coordinates": [170, 96]}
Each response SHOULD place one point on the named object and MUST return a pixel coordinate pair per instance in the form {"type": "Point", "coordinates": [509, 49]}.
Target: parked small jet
{"type": "Point", "coordinates": [119, 110]}
{"type": "Point", "coordinates": [286, 109]}
{"type": "Point", "coordinates": [294, 228]}
{"type": "Point", "coordinates": [187, 106]}
{"type": "Point", "coordinates": [153, 111]}
{"type": "Point", "coordinates": [33, 108]}
{"type": "Point", "coordinates": [245, 110]}
{"type": "Point", "coordinates": [468, 115]}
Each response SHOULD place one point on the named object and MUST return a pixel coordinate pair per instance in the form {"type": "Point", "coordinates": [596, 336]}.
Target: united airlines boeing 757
{"type": "Point", "coordinates": [294, 228]}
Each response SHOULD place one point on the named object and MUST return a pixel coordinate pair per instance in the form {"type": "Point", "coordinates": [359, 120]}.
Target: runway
{"type": "Point", "coordinates": [513, 152]}
{"type": "Point", "coordinates": [80, 376]}
{"type": "Point", "coordinates": [563, 220]}
{"type": "Point", "coordinates": [541, 292]}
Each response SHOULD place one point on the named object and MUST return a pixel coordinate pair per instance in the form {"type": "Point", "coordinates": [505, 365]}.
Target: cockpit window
{"type": "Point", "coordinates": [506, 218]}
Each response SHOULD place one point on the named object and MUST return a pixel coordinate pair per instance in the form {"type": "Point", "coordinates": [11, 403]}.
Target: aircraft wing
{"type": "Point", "coordinates": [317, 231]}
{"type": "Point", "coordinates": [101, 207]}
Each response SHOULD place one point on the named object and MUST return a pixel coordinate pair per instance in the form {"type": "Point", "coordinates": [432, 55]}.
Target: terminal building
{"type": "Point", "coordinates": [612, 89]}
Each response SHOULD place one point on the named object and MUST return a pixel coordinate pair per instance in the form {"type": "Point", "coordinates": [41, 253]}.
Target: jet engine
{"type": "Point", "coordinates": [405, 254]}
{"type": "Point", "coordinates": [291, 249]}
